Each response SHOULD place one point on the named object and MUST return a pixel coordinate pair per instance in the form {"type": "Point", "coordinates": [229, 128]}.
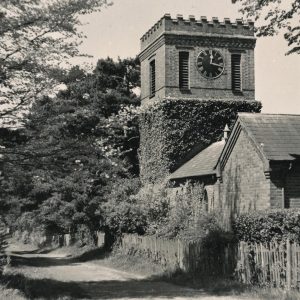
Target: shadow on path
{"type": "Point", "coordinates": [36, 251]}
{"type": "Point", "coordinates": [42, 288]}
{"type": "Point", "coordinates": [53, 289]}
{"type": "Point", "coordinates": [75, 279]}
{"type": "Point", "coordinates": [34, 259]}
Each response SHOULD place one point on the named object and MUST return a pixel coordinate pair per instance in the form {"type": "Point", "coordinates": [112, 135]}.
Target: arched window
{"type": "Point", "coordinates": [205, 201]}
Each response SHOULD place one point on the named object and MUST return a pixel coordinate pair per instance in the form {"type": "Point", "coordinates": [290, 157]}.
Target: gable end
{"type": "Point", "coordinates": [239, 126]}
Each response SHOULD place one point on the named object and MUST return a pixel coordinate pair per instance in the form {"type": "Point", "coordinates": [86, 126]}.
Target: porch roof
{"type": "Point", "coordinates": [201, 164]}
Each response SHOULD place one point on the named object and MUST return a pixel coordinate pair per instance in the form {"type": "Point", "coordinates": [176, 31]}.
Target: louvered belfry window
{"type": "Point", "coordinates": [184, 70]}
{"type": "Point", "coordinates": [152, 78]}
{"type": "Point", "coordinates": [236, 72]}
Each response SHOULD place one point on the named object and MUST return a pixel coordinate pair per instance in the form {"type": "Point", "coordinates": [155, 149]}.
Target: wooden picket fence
{"type": "Point", "coordinates": [268, 264]}
{"type": "Point", "coordinates": [168, 252]}
{"type": "Point", "coordinates": [179, 254]}
{"type": "Point", "coordinates": [273, 264]}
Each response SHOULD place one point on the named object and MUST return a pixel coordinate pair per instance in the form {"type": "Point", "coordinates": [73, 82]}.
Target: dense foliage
{"type": "Point", "coordinates": [172, 128]}
{"type": "Point", "coordinates": [73, 147]}
{"type": "Point", "coordinates": [156, 209]}
{"type": "Point", "coordinates": [122, 76]}
{"type": "Point", "coordinates": [123, 212]}
{"type": "Point", "coordinates": [275, 16]}
{"type": "Point", "coordinates": [265, 226]}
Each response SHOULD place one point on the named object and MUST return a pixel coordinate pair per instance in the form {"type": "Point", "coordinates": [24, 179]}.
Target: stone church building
{"type": "Point", "coordinates": [256, 166]}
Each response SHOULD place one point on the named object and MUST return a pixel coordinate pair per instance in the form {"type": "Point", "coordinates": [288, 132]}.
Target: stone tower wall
{"type": "Point", "coordinates": [168, 37]}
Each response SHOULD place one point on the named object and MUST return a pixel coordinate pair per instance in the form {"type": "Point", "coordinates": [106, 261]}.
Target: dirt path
{"type": "Point", "coordinates": [55, 276]}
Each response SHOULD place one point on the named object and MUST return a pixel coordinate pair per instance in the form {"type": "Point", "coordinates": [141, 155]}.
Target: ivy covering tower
{"type": "Point", "coordinates": [196, 75]}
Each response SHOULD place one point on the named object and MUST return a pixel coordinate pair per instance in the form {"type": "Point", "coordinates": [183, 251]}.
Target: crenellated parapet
{"type": "Point", "coordinates": [202, 27]}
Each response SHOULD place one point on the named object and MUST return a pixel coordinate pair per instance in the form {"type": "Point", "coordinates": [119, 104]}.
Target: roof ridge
{"type": "Point", "coordinates": [270, 114]}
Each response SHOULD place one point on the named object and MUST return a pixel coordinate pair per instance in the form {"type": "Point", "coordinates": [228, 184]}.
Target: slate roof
{"type": "Point", "coordinates": [203, 163]}
{"type": "Point", "coordinates": [278, 136]}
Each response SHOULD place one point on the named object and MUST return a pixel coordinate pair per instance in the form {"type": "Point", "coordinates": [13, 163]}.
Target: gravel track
{"type": "Point", "coordinates": [64, 278]}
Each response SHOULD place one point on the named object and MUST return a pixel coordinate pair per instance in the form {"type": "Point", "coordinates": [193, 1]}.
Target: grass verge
{"type": "Point", "coordinates": [132, 263]}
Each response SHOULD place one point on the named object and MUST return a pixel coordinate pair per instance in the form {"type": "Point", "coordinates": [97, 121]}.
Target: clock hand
{"type": "Point", "coordinates": [221, 66]}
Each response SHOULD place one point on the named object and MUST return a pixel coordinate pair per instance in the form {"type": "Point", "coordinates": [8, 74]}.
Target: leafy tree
{"type": "Point", "coordinates": [80, 116]}
{"type": "Point", "coordinates": [74, 147]}
{"type": "Point", "coordinates": [121, 137]}
{"type": "Point", "coordinates": [123, 75]}
{"type": "Point", "coordinates": [36, 36]}
{"type": "Point", "coordinates": [275, 15]}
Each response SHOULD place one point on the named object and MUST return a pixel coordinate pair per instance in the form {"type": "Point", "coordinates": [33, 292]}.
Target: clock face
{"type": "Point", "coordinates": [210, 63]}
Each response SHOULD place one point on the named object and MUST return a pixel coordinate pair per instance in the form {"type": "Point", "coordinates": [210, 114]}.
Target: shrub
{"type": "Point", "coordinates": [155, 202]}
{"type": "Point", "coordinates": [265, 226]}
{"type": "Point", "coordinates": [185, 208]}
{"type": "Point", "coordinates": [156, 209]}
{"type": "Point", "coordinates": [181, 213]}
{"type": "Point", "coordinates": [123, 212]}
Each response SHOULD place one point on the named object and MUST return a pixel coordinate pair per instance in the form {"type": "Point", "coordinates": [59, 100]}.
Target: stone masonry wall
{"type": "Point", "coordinates": [167, 75]}
{"type": "Point", "coordinates": [201, 25]}
{"type": "Point", "coordinates": [202, 88]}
{"type": "Point", "coordinates": [168, 37]}
{"type": "Point", "coordinates": [159, 57]}
{"type": "Point", "coordinates": [244, 186]}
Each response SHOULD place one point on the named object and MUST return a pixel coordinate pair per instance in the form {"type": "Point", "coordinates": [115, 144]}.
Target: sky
{"type": "Point", "coordinates": [117, 29]}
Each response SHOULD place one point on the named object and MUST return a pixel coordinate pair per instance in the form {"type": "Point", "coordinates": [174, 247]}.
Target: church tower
{"type": "Point", "coordinates": [199, 59]}
{"type": "Point", "coordinates": [196, 75]}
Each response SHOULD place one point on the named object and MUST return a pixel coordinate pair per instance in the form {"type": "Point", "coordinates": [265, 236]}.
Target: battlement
{"type": "Point", "coordinates": [202, 26]}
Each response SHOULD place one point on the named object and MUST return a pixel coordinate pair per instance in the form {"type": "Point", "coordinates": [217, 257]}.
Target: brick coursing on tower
{"type": "Point", "coordinates": [168, 37]}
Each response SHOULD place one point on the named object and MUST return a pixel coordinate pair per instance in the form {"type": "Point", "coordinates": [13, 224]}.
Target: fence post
{"type": "Point", "coordinates": [288, 265]}
{"type": "Point", "coordinates": [242, 262]}
{"type": "Point", "coordinates": [178, 254]}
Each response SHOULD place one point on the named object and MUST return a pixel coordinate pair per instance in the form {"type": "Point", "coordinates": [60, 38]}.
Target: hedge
{"type": "Point", "coordinates": [172, 128]}
{"type": "Point", "coordinates": [266, 226]}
